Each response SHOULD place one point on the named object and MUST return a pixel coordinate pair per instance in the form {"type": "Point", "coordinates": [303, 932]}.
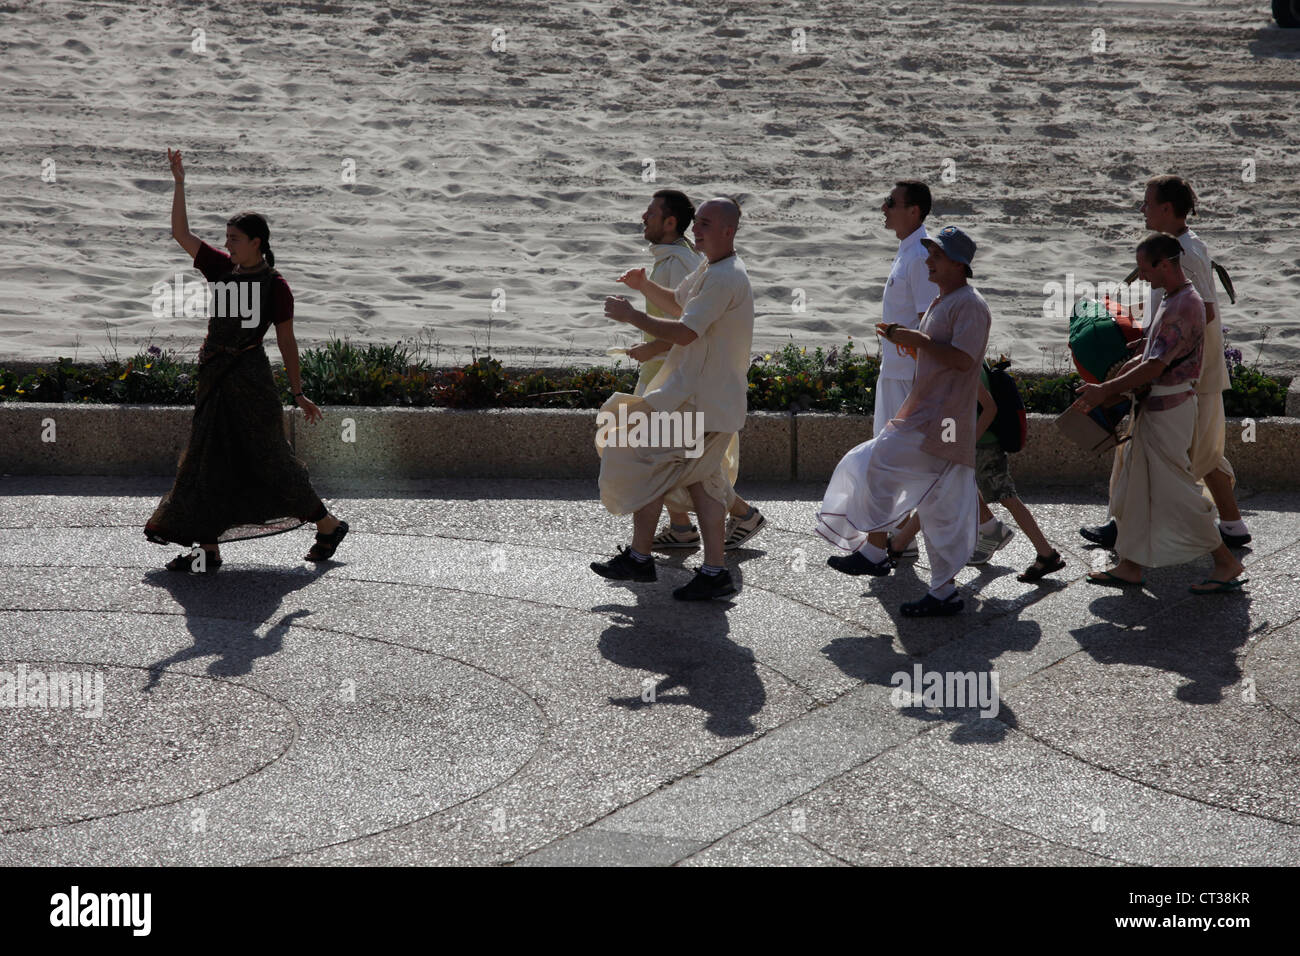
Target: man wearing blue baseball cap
{"type": "Point", "coordinates": [924, 459]}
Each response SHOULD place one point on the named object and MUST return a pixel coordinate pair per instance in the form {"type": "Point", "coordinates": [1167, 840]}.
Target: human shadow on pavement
{"type": "Point", "coordinates": [688, 642]}
{"type": "Point", "coordinates": [223, 612]}
{"type": "Point", "coordinates": [1200, 638]}
{"type": "Point", "coordinates": [968, 641]}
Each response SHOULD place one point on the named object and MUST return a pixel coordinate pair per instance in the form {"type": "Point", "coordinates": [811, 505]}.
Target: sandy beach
{"type": "Point", "coordinates": [422, 164]}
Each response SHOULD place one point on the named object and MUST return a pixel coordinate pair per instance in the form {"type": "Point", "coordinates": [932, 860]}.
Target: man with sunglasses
{"type": "Point", "coordinates": [908, 293]}
{"type": "Point", "coordinates": [1160, 514]}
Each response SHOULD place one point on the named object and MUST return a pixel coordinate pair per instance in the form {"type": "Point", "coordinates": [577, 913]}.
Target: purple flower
{"type": "Point", "coordinates": [155, 350]}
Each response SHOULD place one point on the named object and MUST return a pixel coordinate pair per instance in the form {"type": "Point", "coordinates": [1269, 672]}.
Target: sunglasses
{"type": "Point", "coordinates": [891, 202]}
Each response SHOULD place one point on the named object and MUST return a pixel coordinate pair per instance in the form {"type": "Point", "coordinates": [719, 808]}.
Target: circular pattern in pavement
{"type": "Point", "coordinates": [244, 743]}
{"type": "Point", "coordinates": [73, 751]}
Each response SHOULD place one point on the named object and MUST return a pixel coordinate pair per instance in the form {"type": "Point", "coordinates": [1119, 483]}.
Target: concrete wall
{"type": "Point", "coordinates": [536, 443]}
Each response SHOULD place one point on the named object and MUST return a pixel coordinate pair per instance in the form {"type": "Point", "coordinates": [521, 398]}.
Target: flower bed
{"type": "Point", "coordinates": [339, 373]}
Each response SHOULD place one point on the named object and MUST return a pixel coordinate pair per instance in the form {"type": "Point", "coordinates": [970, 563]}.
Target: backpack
{"type": "Point", "coordinates": [1010, 424]}
{"type": "Point", "coordinates": [1099, 336]}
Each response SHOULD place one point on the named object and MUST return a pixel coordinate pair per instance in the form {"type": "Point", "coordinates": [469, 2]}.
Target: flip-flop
{"type": "Point", "coordinates": [1115, 581]}
{"type": "Point", "coordinates": [1221, 587]}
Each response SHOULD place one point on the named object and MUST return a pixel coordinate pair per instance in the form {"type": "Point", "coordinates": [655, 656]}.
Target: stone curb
{"type": "Point", "coordinates": [360, 442]}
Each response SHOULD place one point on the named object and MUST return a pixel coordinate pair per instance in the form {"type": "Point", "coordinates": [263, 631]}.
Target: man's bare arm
{"type": "Point", "coordinates": [661, 297]}
{"type": "Point", "coordinates": [948, 355]}
{"type": "Point", "coordinates": [670, 330]}
{"type": "Point", "coordinates": [1147, 371]}
{"type": "Point", "coordinates": [1143, 373]}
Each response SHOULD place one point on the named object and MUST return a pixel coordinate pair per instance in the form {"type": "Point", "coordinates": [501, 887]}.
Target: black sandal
{"type": "Point", "coordinates": [1042, 567]}
{"type": "Point", "coordinates": [327, 544]}
{"type": "Point", "coordinates": [184, 563]}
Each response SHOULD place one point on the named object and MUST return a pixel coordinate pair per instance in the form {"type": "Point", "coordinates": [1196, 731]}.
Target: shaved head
{"type": "Point", "coordinates": [715, 227]}
{"type": "Point", "coordinates": [726, 209]}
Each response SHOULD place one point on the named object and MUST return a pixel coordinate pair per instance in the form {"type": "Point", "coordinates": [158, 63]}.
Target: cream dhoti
{"type": "Point", "coordinates": [877, 483]}
{"type": "Point", "coordinates": [730, 458]}
{"type": "Point", "coordinates": [1161, 514]}
{"type": "Point", "coordinates": [1210, 438]}
{"type": "Point", "coordinates": [636, 469]}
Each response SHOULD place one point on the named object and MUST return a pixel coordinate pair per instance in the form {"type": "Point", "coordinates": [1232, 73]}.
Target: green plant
{"type": "Point", "coordinates": [1253, 394]}
{"type": "Point", "coordinates": [793, 380]}
{"type": "Point", "coordinates": [339, 373]}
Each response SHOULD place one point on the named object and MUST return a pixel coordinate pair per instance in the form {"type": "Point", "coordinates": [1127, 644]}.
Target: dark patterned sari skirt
{"type": "Point", "coordinates": [238, 477]}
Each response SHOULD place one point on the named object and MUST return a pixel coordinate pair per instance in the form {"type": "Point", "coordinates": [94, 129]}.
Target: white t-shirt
{"type": "Point", "coordinates": [908, 293]}
{"type": "Point", "coordinates": [713, 371]}
{"type": "Point", "coordinates": [1196, 264]}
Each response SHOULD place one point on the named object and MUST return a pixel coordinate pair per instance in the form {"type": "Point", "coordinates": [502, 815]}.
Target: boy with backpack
{"type": "Point", "coordinates": [993, 478]}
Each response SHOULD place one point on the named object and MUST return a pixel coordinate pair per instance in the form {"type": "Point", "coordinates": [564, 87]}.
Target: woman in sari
{"type": "Point", "coordinates": [238, 477]}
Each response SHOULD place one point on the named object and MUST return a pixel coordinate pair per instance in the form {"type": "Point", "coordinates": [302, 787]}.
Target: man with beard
{"type": "Point", "coordinates": [665, 222]}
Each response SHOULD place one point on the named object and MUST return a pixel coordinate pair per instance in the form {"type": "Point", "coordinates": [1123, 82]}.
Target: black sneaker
{"type": "Point", "coordinates": [1234, 540]}
{"type": "Point", "coordinates": [624, 567]}
{"type": "Point", "coordinates": [705, 587]}
{"type": "Point", "coordinates": [855, 562]}
{"type": "Point", "coordinates": [931, 606]}
{"type": "Point", "coordinates": [1102, 534]}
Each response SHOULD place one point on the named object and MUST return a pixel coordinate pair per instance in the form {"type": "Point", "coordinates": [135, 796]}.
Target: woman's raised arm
{"type": "Point", "coordinates": [180, 221]}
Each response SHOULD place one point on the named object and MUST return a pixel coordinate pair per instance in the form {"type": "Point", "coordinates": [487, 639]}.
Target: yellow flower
{"type": "Point", "coordinates": [150, 365]}
{"type": "Point", "coordinates": [122, 377]}
{"type": "Point", "coordinates": [767, 357]}
{"type": "Point", "coordinates": [21, 392]}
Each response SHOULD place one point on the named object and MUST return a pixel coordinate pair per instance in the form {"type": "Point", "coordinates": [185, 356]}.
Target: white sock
{"type": "Point", "coordinates": [944, 592]}
{"type": "Point", "coordinates": [872, 553]}
{"type": "Point", "coordinates": [1234, 527]}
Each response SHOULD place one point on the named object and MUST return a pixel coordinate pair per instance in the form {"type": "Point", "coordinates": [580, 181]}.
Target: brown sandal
{"type": "Point", "coordinates": [327, 544]}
